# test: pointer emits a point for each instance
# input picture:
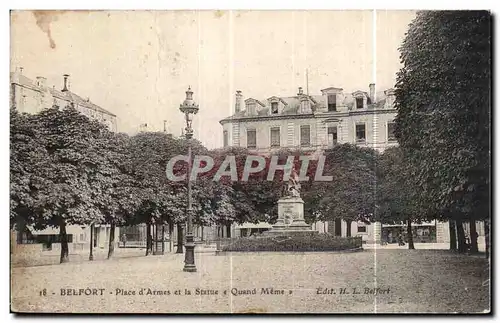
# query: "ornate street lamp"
(189, 108)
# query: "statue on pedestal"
(293, 187)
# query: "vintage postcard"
(246, 161)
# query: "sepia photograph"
(250, 161)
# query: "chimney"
(300, 91)
(66, 84)
(41, 81)
(372, 92)
(237, 103)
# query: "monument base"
(291, 218)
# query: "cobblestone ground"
(408, 281)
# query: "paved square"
(407, 281)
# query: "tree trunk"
(163, 239)
(179, 239)
(453, 235)
(111, 246)
(462, 248)
(409, 234)
(228, 230)
(170, 235)
(487, 238)
(473, 237)
(148, 238)
(91, 245)
(64, 243)
(348, 231)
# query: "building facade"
(312, 121)
(32, 96)
(318, 122)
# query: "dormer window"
(251, 109)
(275, 102)
(359, 103)
(334, 98)
(332, 102)
(274, 107)
(360, 99)
(305, 106)
(390, 97)
(251, 106)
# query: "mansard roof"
(277, 98)
(66, 95)
(255, 100)
(358, 92)
(292, 103)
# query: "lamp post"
(189, 108)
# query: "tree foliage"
(443, 102)
(351, 193)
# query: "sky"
(138, 64)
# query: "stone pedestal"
(290, 217)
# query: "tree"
(29, 166)
(252, 200)
(63, 188)
(396, 196)
(149, 153)
(351, 194)
(443, 122)
(161, 200)
(118, 201)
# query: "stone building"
(32, 96)
(317, 122)
(312, 121)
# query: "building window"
(274, 107)
(251, 109)
(305, 136)
(225, 138)
(332, 136)
(359, 103)
(251, 138)
(305, 106)
(390, 131)
(332, 102)
(360, 133)
(275, 137)
(361, 228)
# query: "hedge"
(317, 242)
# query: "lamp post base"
(189, 268)
(189, 265)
